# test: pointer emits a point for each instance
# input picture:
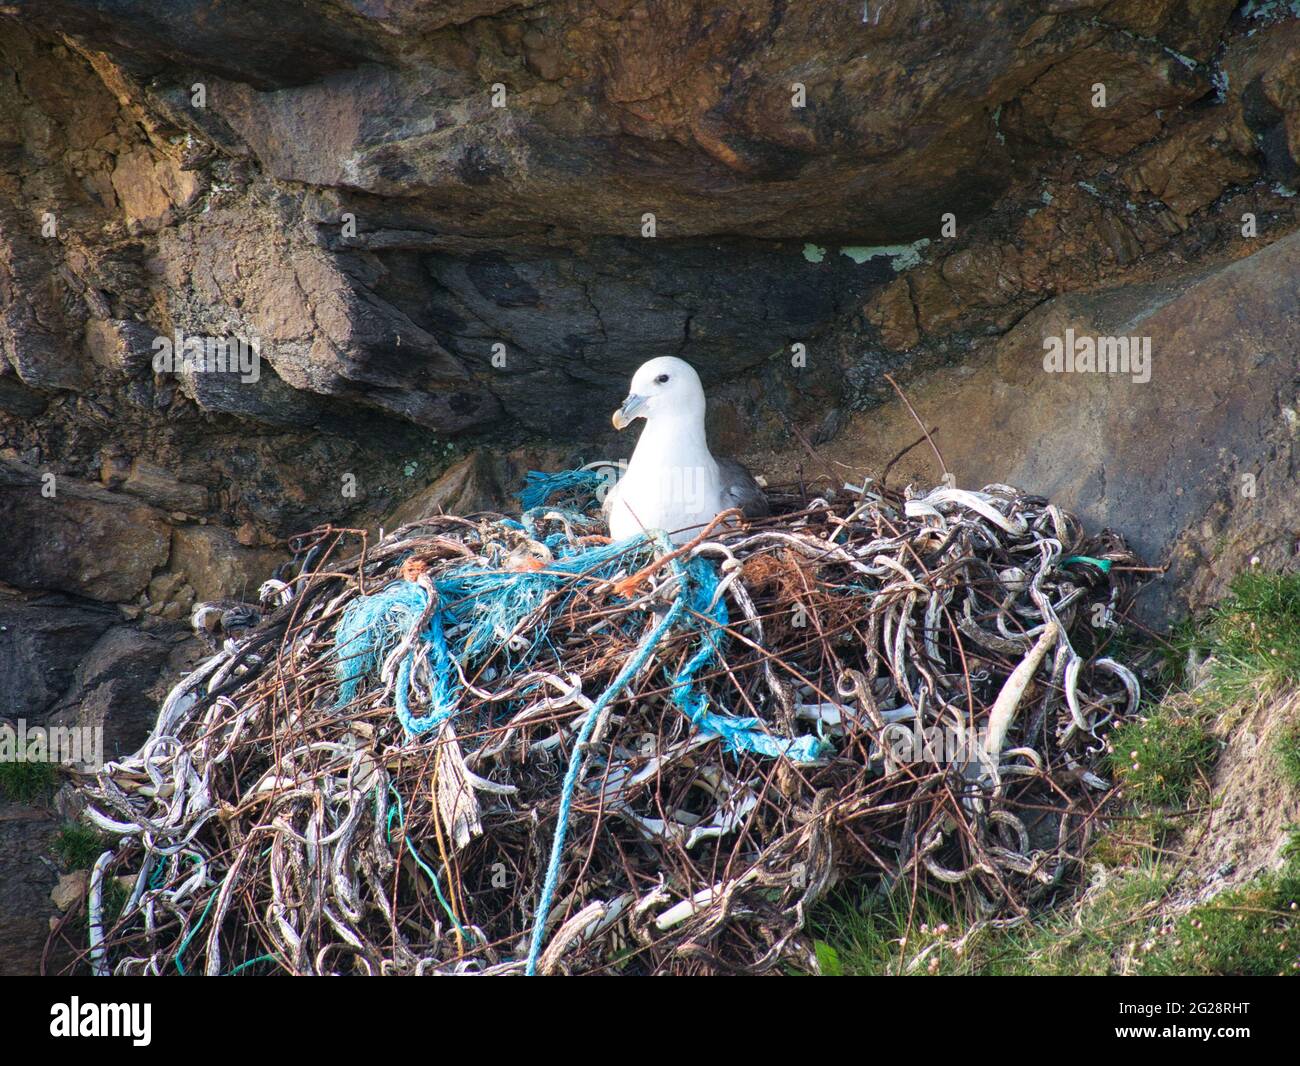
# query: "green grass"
(1158, 759)
(1248, 932)
(1253, 635)
(27, 782)
(871, 935)
(1253, 640)
(1116, 929)
(78, 846)
(876, 938)
(1093, 940)
(1136, 836)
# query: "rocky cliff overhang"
(443, 211)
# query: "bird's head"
(663, 386)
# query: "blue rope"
(489, 602)
(698, 584)
(571, 775)
(540, 487)
(482, 605)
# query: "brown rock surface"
(216, 566)
(110, 690)
(1196, 466)
(470, 485)
(83, 539)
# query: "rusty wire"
(265, 828)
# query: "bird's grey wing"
(739, 489)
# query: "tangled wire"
(492, 745)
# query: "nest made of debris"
(496, 744)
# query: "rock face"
(42, 640)
(26, 834)
(110, 689)
(1192, 448)
(467, 213)
(78, 538)
(350, 262)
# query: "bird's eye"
(662, 379)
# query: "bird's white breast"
(676, 493)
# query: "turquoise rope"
(191, 934)
(699, 583)
(1103, 565)
(251, 962)
(697, 590)
(437, 884)
(540, 487)
(479, 604)
(437, 887)
(571, 776)
(484, 602)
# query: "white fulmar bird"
(673, 482)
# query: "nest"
(489, 745)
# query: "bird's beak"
(631, 409)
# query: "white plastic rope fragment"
(1013, 691)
